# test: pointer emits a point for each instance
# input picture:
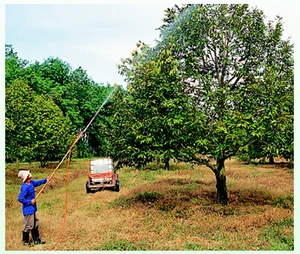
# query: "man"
(29, 208)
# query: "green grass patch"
(193, 246)
(148, 176)
(286, 202)
(94, 208)
(255, 173)
(287, 222)
(12, 188)
(46, 205)
(277, 235)
(131, 177)
(121, 202)
(122, 245)
(148, 196)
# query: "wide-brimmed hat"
(23, 174)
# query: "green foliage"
(219, 83)
(230, 61)
(35, 127)
(53, 87)
(155, 116)
(14, 66)
(274, 118)
(78, 96)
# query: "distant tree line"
(218, 83)
(47, 105)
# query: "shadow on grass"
(182, 197)
(282, 165)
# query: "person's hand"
(32, 201)
(48, 178)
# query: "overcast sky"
(94, 37)
(97, 36)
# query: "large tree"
(225, 55)
(35, 128)
(154, 116)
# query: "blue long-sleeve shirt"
(27, 193)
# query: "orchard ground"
(159, 209)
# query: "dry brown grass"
(161, 210)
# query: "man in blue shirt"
(29, 208)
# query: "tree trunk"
(220, 173)
(271, 160)
(167, 163)
(43, 163)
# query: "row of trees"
(219, 83)
(47, 105)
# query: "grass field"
(158, 209)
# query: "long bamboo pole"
(75, 141)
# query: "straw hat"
(23, 174)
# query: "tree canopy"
(35, 127)
(233, 68)
(154, 117)
(65, 97)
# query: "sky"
(94, 37)
(97, 36)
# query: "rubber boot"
(25, 239)
(36, 236)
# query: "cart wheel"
(87, 188)
(117, 187)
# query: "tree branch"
(199, 160)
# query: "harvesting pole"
(75, 141)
